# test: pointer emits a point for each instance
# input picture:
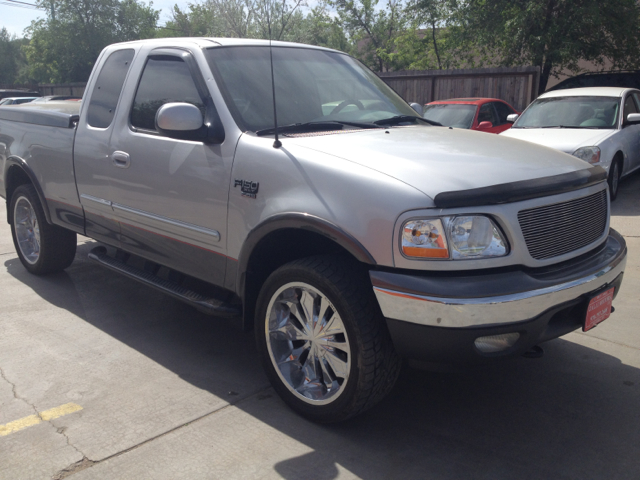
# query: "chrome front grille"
(553, 230)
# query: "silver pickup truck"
(355, 235)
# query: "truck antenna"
(277, 143)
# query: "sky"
(15, 19)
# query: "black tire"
(57, 246)
(614, 183)
(374, 365)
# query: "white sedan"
(600, 125)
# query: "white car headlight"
(588, 154)
(456, 238)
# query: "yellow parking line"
(45, 416)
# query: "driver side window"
(629, 107)
(165, 79)
(487, 114)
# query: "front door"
(170, 196)
(630, 135)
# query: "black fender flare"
(297, 220)
(17, 162)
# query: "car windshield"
(451, 115)
(311, 86)
(571, 112)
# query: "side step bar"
(210, 306)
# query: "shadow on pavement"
(572, 414)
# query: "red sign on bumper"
(599, 310)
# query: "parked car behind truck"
(600, 125)
(483, 114)
(361, 235)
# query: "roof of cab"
(207, 42)
(588, 92)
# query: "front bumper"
(437, 317)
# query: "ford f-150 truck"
(352, 235)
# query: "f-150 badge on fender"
(249, 189)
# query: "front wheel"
(614, 178)
(323, 340)
(42, 247)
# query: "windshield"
(451, 115)
(571, 112)
(311, 86)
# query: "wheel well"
(15, 177)
(273, 251)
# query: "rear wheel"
(42, 247)
(614, 178)
(323, 340)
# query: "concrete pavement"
(166, 392)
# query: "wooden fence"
(517, 86)
(73, 89)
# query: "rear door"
(92, 154)
(170, 196)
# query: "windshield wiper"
(395, 120)
(316, 126)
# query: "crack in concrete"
(87, 463)
(60, 431)
(73, 468)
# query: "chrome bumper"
(451, 311)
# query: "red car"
(483, 114)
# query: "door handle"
(121, 159)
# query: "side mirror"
(417, 107)
(633, 118)
(179, 117)
(485, 126)
(512, 118)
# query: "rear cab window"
(108, 87)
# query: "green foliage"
(372, 30)
(12, 60)
(64, 46)
(552, 34)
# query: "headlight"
(588, 154)
(475, 236)
(471, 236)
(424, 239)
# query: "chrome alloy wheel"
(27, 230)
(308, 343)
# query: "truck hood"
(437, 159)
(564, 139)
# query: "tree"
(551, 34)
(64, 46)
(373, 30)
(275, 19)
(11, 58)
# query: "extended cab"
(354, 235)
